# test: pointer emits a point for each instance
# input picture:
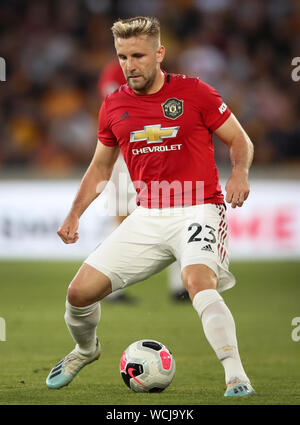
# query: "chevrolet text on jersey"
(150, 149)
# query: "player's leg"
(205, 274)
(82, 317)
(88, 286)
(83, 309)
(217, 320)
(126, 257)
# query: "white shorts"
(150, 239)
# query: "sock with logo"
(82, 324)
(219, 329)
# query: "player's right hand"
(68, 230)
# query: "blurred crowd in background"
(56, 50)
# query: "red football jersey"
(166, 140)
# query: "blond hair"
(133, 27)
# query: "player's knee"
(83, 294)
(76, 296)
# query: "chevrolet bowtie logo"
(153, 133)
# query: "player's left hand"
(237, 188)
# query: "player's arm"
(92, 184)
(241, 155)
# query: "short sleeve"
(105, 134)
(213, 109)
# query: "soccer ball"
(147, 366)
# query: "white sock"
(219, 328)
(82, 324)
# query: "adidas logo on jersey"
(207, 248)
(125, 115)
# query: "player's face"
(140, 58)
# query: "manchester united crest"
(172, 108)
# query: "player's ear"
(160, 54)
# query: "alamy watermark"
(2, 329)
(2, 69)
(296, 331)
(123, 195)
(296, 71)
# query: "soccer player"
(111, 78)
(163, 124)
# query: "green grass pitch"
(264, 302)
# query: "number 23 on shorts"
(204, 233)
